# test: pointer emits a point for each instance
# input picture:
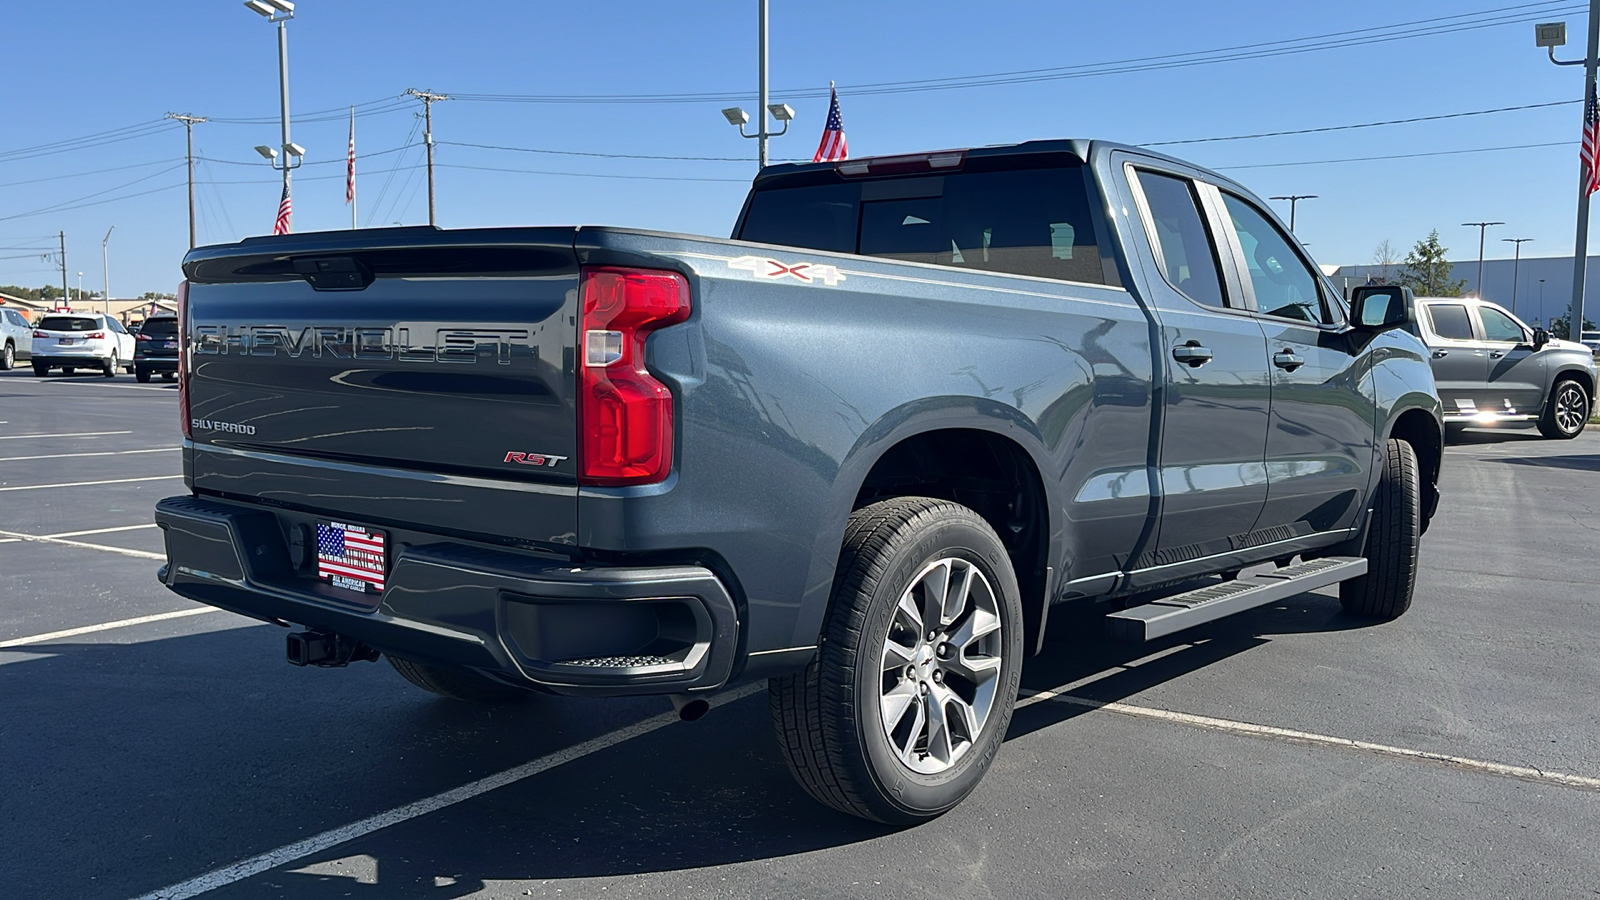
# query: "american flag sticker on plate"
(350, 557)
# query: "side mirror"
(1380, 307)
(1540, 338)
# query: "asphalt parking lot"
(1290, 751)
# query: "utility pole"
(1515, 267)
(66, 298)
(1552, 35)
(1294, 200)
(1483, 228)
(105, 265)
(428, 98)
(188, 127)
(761, 102)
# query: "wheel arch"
(1575, 373)
(1422, 429)
(972, 451)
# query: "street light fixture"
(1515, 267)
(738, 118)
(279, 12)
(1294, 201)
(780, 111)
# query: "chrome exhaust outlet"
(689, 708)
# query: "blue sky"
(89, 67)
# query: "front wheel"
(1394, 537)
(1566, 412)
(908, 699)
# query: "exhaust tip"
(690, 709)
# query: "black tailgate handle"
(334, 273)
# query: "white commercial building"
(1543, 288)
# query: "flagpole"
(352, 168)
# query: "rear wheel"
(110, 370)
(903, 709)
(142, 374)
(68, 370)
(1393, 539)
(456, 683)
(8, 357)
(1566, 412)
(169, 376)
(40, 369)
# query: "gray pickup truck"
(862, 450)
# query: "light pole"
(1552, 35)
(80, 288)
(1541, 298)
(1294, 200)
(1515, 267)
(1483, 228)
(780, 111)
(105, 266)
(279, 12)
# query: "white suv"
(70, 341)
(16, 338)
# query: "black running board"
(1160, 618)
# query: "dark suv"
(155, 348)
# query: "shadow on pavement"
(1455, 438)
(135, 766)
(1589, 463)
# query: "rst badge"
(533, 459)
(808, 272)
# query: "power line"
(737, 159)
(595, 174)
(69, 204)
(1487, 18)
(1350, 159)
(1327, 128)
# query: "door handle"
(1440, 354)
(1191, 354)
(1287, 360)
(1496, 354)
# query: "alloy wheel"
(1572, 408)
(940, 665)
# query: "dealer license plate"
(352, 557)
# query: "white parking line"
(23, 437)
(95, 453)
(1524, 773)
(106, 626)
(40, 487)
(171, 388)
(67, 534)
(11, 536)
(317, 843)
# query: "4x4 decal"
(766, 267)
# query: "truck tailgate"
(435, 375)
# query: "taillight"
(901, 165)
(183, 360)
(97, 336)
(40, 334)
(141, 336)
(625, 415)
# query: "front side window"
(1449, 321)
(1283, 284)
(1188, 258)
(1497, 326)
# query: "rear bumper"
(156, 363)
(69, 358)
(526, 619)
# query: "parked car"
(155, 348)
(1493, 369)
(860, 450)
(1591, 339)
(72, 341)
(16, 338)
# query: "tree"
(156, 295)
(1558, 327)
(1385, 258)
(1427, 272)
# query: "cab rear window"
(1022, 221)
(68, 323)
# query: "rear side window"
(1021, 221)
(1449, 320)
(1187, 255)
(68, 323)
(160, 327)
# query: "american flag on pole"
(1591, 143)
(350, 162)
(350, 555)
(833, 146)
(285, 209)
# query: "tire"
(8, 357)
(169, 376)
(68, 370)
(111, 366)
(40, 369)
(1393, 539)
(142, 375)
(457, 684)
(1566, 412)
(830, 719)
